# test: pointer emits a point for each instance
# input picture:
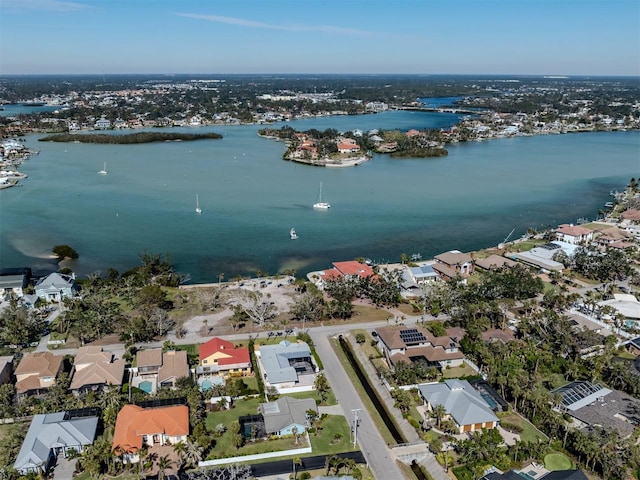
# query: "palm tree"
(164, 463)
(296, 462)
(180, 449)
(192, 452)
(438, 412)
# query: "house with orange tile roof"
(95, 369)
(347, 145)
(222, 358)
(157, 369)
(137, 426)
(37, 372)
(573, 234)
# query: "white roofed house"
(287, 366)
(574, 234)
(55, 287)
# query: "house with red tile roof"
(137, 426)
(345, 270)
(220, 357)
(347, 145)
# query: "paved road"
(374, 448)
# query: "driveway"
(64, 469)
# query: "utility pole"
(356, 421)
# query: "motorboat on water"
(198, 209)
(292, 234)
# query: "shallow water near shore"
(250, 198)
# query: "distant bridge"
(445, 110)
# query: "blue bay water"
(250, 198)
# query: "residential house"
(137, 426)
(573, 234)
(37, 372)
(287, 366)
(627, 305)
(452, 264)
(102, 124)
(55, 287)
(541, 257)
(592, 405)
(535, 472)
(285, 414)
(157, 369)
(220, 357)
(94, 369)
(6, 369)
(494, 262)
(344, 270)
(55, 434)
(462, 403)
(633, 346)
(347, 145)
(417, 345)
(13, 284)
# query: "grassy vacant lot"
(529, 432)
(557, 461)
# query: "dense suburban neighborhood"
(520, 361)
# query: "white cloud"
(48, 5)
(269, 26)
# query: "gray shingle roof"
(285, 412)
(52, 430)
(460, 400)
(275, 360)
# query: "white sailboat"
(320, 205)
(198, 209)
(104, 170)
(293, 234)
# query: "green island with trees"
(130, 138)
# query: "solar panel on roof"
(412, 335)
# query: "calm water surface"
(250, 198)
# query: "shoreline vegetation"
(131, 138)
(329, 148)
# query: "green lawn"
(557, 461)
(331, 398)
(529, 432)
(382, 428)
(325, 442)
(463, 370)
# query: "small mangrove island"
(128, 139)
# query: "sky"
(526, 37)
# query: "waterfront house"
(573, 234)
(286, 413)
(287, 366)
(102, 124)
(418, 345)
(137, 426)
(37, 372)
(94, 369)
(13, 285)
(627, 305)
(452, 264)
(55, 287)
(222, 358)
(157, 369)
(340, 270)
(55, 434)
(462, 403)
(494, 262)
